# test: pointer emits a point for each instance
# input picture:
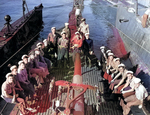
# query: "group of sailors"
(121, 82)
(34, 68)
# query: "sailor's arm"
(126, 84)
(117, 76)
(122, 80)
(144, 20)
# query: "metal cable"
(19, 50)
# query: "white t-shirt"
(141, 92)
(147, 11)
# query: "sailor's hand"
(112, 81)
(16, 95)
(121, 90)
(115, 87)
(91, 52)
(55, 55)
(75, 45)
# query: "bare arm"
(144, 20)
(117, 76)
(122, 80)
(7, 95)
(127, 83)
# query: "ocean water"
(56, 12)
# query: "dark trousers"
(21, 94)
(28, 89)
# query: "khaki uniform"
(67, 31)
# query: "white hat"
(117, 59)
(13, 67)
(129, 72)
(137, 80)
(8, 74)
(66, 24)
(20, 62)
(77, 33)
(108, 51)
(87, 34)
(24, 56)
(110, 54)
(83, 19)
(40, 43)
(102, 47)
(63, 32)
(45, 40)
(53, 28)
(121, 65)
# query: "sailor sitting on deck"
(128, 87)
(40, 46)
(22, 77)
(40, 60)
(9, 94)
(32, 77)
(19, 90)
(109, 64)
(145, 19)
(62, 46)
(120, 81)
(53, 39)
(34, 69)
(103, 59)
(49, 52)
(77, 43)
(136, 99)
(83, 27)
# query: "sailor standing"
(87, 48)
(67, 30)
(53, 39)
(83, 27)
(62, 46)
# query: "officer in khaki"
(67, 30)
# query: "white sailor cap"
(129, 72)
(121, 65)
(20, 62)
(13, 67)
(110, 54)
(87, 34)
(108, 51)
(116, 59)
(137, 80)
(66, 24)
(40, 43)
(53, 28)
(8, 74)
(76, 32)
(45, 40)
(63, 32)
(102, 47)
(83, 19)
(24, 56)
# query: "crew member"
(62, 46)
(83, 27)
